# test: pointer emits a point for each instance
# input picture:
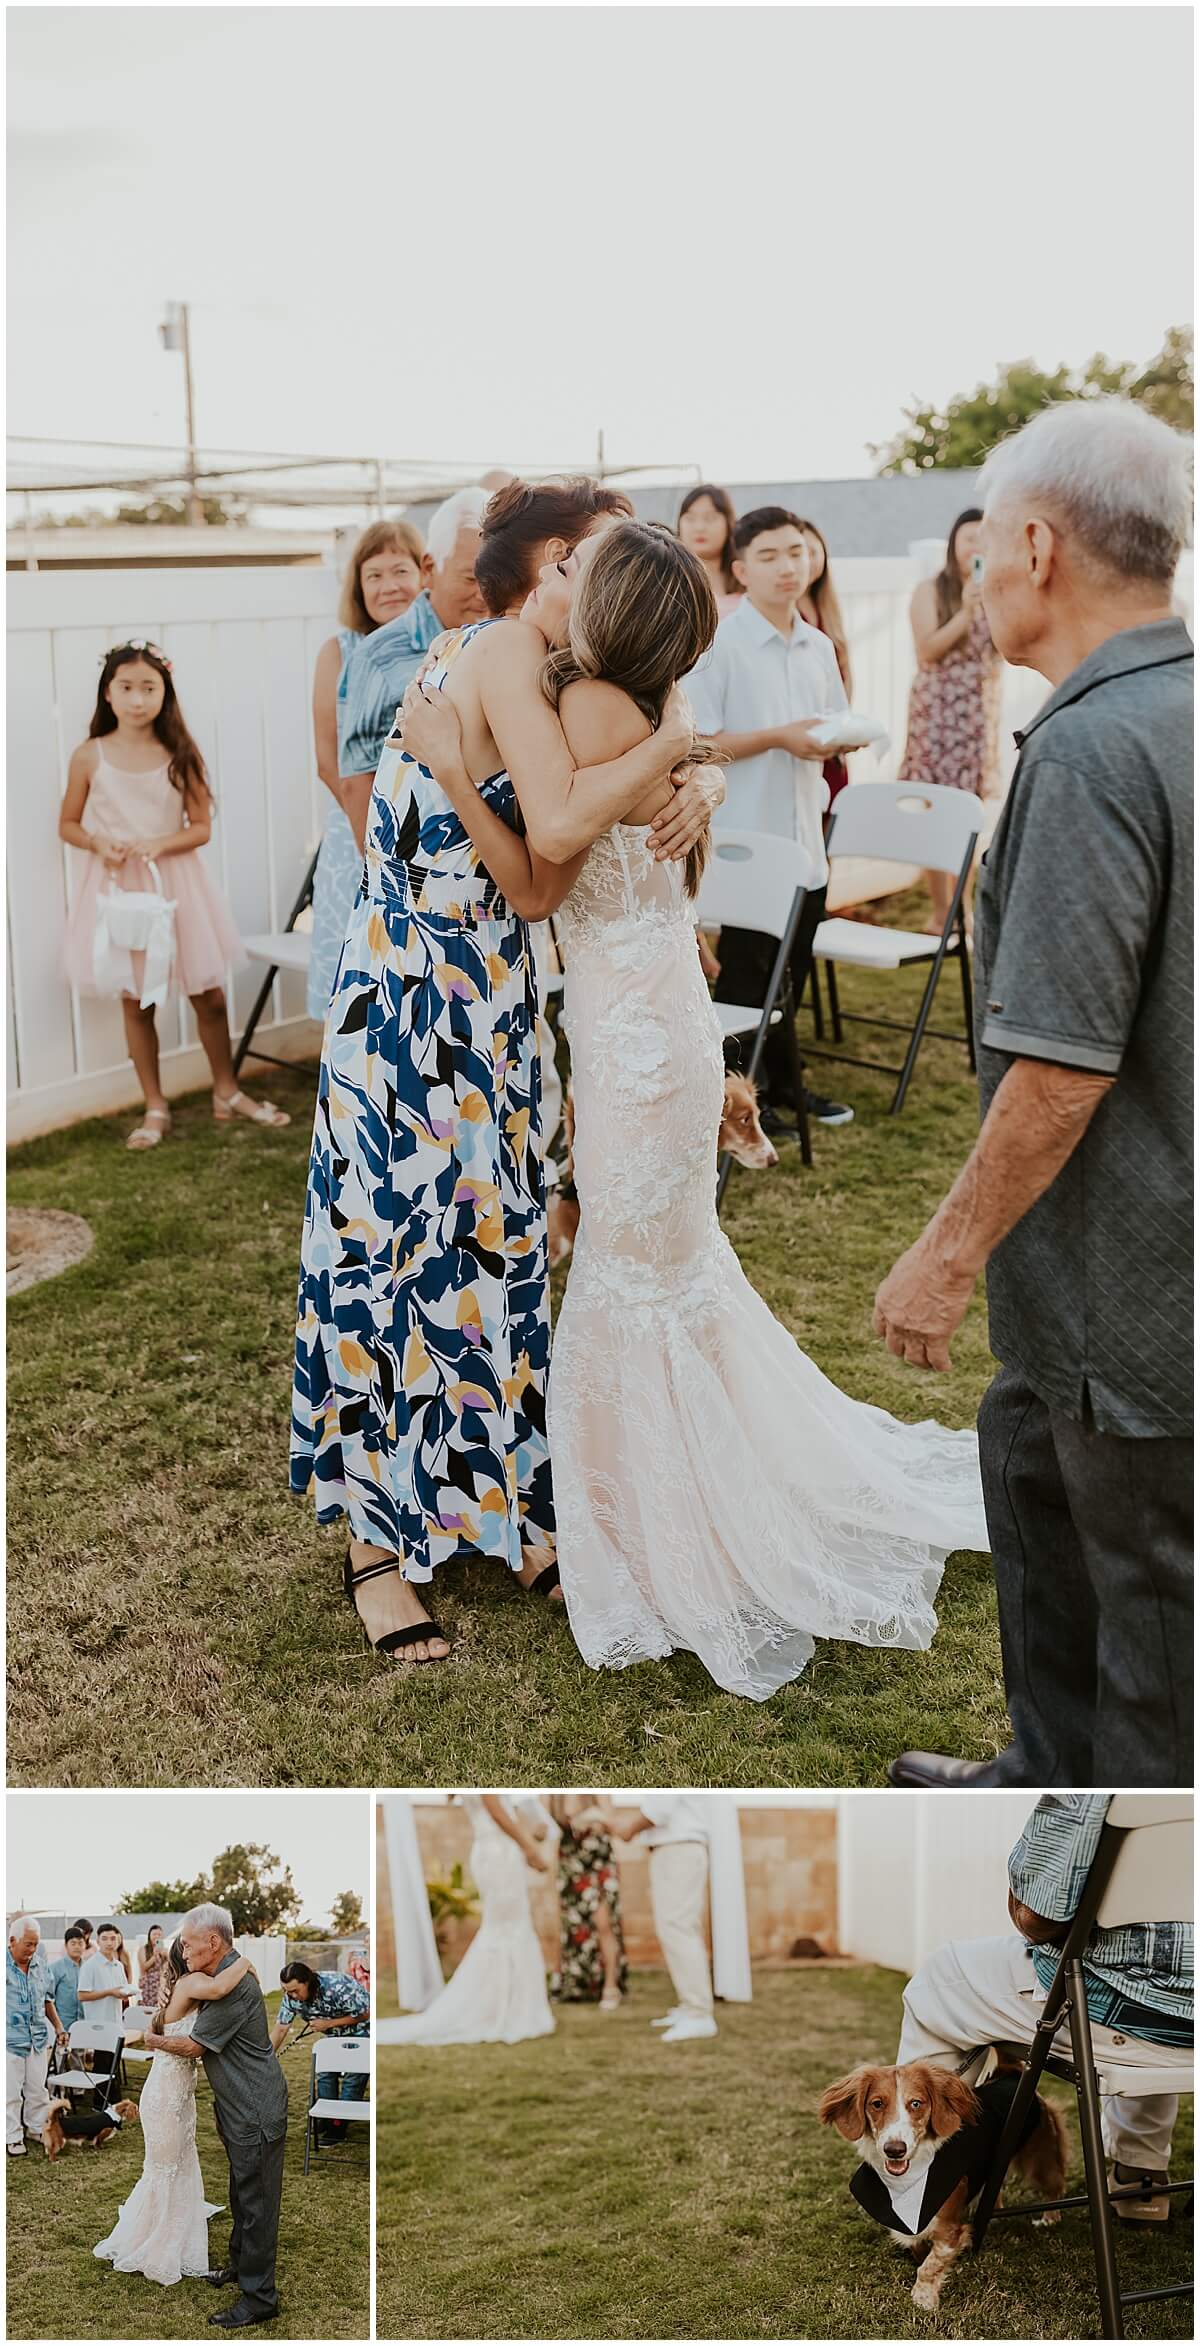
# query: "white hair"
(22, 1923)
(210, 1918)
(1117, 476)
(464, 510)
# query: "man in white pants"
(974, 1993)
(30, 2021)
(675, 1830)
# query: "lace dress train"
(162, 2229)
(716, 1493)
(498, 1993)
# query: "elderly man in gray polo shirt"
(1078, 1193)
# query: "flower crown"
(137, 643)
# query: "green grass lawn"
(175, 1615)
(597, 2184)
(57, 2212)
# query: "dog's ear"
(952, 2102)
(128, 2111)
(844, 2105)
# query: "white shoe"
(668, 2019)
(688, 2024)
(16, 2150)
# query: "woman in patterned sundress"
(591, 1967)
(383, 577)
(954, 706)
(423, 1333)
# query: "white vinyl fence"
(243, 643)
(914, 1871)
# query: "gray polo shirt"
(1083, 955)
(241, 2066)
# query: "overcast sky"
(85, 1851)
(734, 237)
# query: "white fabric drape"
(418, 1971)
(727, 1892)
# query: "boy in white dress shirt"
(675, 1829)
(765, 680)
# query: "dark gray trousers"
(255, 2192)
(1092, 1551)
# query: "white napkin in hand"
(845, 730)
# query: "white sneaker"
(688, 2024)
(668, 2019)
(16, 2150)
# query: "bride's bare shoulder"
(600, 721)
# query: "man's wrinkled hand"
(921, 1305)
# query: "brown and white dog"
(927, 2140)
(740, 1132)
(70, 2129)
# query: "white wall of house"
(243, 644)
(916, 1870)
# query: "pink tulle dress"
(147, 806)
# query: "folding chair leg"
(964, 963)
(303, 900)
(724, 1170)
(797, 1073)
(835, 1007)
(1099, 2209)
(1039, 2054)
(817, 1011)
(308, 2127)
(953, 919)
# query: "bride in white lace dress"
(162, 2228)
(498, 1993)
(715, 1493)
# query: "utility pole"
(175, 334)
(600, 454)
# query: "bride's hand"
(534, 1857)
(686, 816)
(431, 732)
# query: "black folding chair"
(275, 950)
(1142, 1872)
(757, 882)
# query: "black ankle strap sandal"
(395, 1640)
(544, 1582)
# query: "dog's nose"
(894, 2149)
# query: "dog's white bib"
(906, 2193)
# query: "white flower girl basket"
(135, 920)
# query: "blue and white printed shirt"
(340, 1997)
(376, 676)
(1146, 1965)
(26, 2028)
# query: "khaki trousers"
(678, 1895)
(986, 1991)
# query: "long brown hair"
(382, 537)
(948, 585)
(724, 505)
(174, 1968)
(641, 617)
(521, 517)
(828, 606)
(187, 768)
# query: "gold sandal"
(154, 1127)
(236, 1104)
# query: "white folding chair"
(1141, 1873)
(91, 2036)
(756, 881)
(905, 823)
(338, 2056)
(285, 948)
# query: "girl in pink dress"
(138, 804)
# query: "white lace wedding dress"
(714, 1492)
(498, 1993)
(162, 2229)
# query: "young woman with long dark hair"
(954, 706)
(706, 525)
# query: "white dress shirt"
(97, 1972)
(675, 1816)
(752, 678)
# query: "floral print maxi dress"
(954, 717)
(423, 1335)
(587, 1873)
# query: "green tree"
(162, 1898)
(346, 1914)
(259, 1892)
(960, 434)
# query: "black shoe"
(819, 1110)
(241, 2317)
(932, 1767)
(221, 2276)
